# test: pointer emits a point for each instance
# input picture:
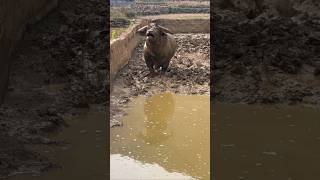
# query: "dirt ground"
(267, 59)
(189, 73)
(59, 67)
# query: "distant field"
(122, 17)
(146, 7)
(188, 3)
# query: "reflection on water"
(167, 132)
(266, 142)
(158, 111)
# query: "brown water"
(85, 158)
(266, 142)
(166, 136)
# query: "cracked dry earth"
(188, 73)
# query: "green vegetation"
(122, 13)
(151, 1)
(188, 10)
(116, 32)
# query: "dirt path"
(189, 74)
(60, 67)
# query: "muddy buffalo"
(159, 47)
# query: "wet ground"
(83, 155)
(164, 136)
(266, 142)
(267, 59)
(59, 67)
(270, 62)
(189, 73)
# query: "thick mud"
(267, 59)
(59, 67)
(189, 73)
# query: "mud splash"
(165, 130)
(266, 142)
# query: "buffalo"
(159, 47)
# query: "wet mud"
(189, 73)
(59, 67)
(267, 59)
(271, 62)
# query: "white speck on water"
(270, 153)
(258, 164)
(227, 145)
(83, 131)
(291, 140)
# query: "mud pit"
(189, 73)
(266, 59)
(59, 67)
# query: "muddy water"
(84, 157)
(165, 136)
(266, 142)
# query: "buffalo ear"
(164, 30)
(142, 31)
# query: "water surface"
(85, 157)
(166, 134)
(266, 142)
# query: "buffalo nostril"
(149, 34)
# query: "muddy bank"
(59, 67)
(267, 59)
(189, 73)
(285, 8)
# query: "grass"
(116, 32)
(151, 1)
(117, 13)
(188, 10)
(122, 13)
(190, 4)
